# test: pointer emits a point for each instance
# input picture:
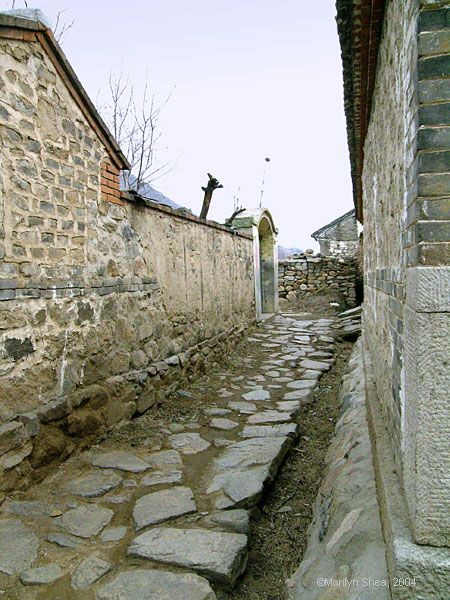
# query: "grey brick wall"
(406, 191)
(427, 234)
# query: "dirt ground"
(317, 303)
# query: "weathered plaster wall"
(406, 191)
(103, 306)
(304, 276)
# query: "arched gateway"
(265, 258)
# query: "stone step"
(243, 469)
(161, 506)
(220, 556)
(124, 461)
(148, 584)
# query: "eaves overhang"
(359, 24)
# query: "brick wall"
(406, 189)
(110, 183)
(387, 185)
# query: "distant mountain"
(149, 192)
(285, 252)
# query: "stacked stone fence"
(303, 276)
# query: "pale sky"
(248, 79)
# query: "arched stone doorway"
(260, 224)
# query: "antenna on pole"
(266, 160)
(236, 198)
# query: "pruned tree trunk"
(213, 184)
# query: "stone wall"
(105, 303)
(389, 152)
(300, 277)
(406, 191)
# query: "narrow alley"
(176, 495)
(198, 402)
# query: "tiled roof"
(348, 215)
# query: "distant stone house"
(396, 65)
(339, 237)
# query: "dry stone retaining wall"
(301, 277)
(104, 303)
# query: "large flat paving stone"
(63, 540)
(223, 424)
(237, 521)
(216, 411)
(240, 488)
(246, 408)
(94, 484)
(113, 534)
(41, 575)
(301, 384)
(256, 395)
(90, 570)
(85, 521)
(269, 416)
(303, 395)
(159, 477)
(311, 374)
(243, 469)
(273, 374)
(188, 443)
(166, 459)
(284, 429)
(147, 584)
(315, 365)
(124, 461)
(219, 556)
(29, 508)
(291, 406)
(321, 354)
(158, 507)
(18, 546)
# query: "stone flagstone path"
(169, 522)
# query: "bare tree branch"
(135, 125)
(61, 27)
(237, 212)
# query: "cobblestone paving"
(168, 522)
